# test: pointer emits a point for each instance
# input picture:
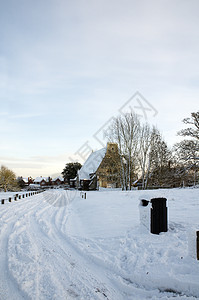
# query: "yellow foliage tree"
(7, 178)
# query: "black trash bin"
(159, 215)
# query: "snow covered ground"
(58, 245)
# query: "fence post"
(15, 198)
(85, 196)
(19, 196)
(9, 199)
(2, 201)
(197, 244)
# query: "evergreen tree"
(70, 171)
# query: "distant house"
(26, 181)
(30, 180)
(43, 181)
(58, 181)
(101, 169)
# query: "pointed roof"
(92, 164)
(25, 180)
(39, 179)
(58, 178)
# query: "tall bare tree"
(145, 143)
(125, 131)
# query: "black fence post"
(2, 201)
(197, 244)
(19, 196)
(10, 199)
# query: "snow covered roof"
(59, 177)
(91, 164)
(39, 179)
(25, 180)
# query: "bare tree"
(125, 131)
(187, 156)
(145, 144)
(187, 151)
(192, 131)
(142, 149)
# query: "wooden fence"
(16, 197)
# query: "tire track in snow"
(91, 266)
(33, 229)
(43, 258)
(83, 261)
(9, 215)
(82, 271)
(8, 285)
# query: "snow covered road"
(37, 259)
(56, 245)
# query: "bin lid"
(144, 202)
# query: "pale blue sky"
(66, 67)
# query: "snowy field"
(57, 245)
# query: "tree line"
(146, 158)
